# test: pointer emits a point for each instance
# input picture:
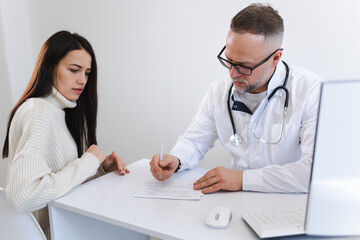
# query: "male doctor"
(265, 114)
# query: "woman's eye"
(74, 70)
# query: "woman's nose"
(82, 78)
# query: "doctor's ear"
(276, 58)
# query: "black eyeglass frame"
(251, 69)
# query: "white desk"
(106, 209)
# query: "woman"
(51, 126)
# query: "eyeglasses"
(240, 68)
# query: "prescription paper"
(178, 187)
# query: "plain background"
(156, 58)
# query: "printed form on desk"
(179, 186)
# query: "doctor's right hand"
(164, 169)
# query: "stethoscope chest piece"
(235, 139)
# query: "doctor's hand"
(164, 169)
(220, 178)
(114, 162)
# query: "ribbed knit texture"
(43, 161)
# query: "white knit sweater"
(43, 161)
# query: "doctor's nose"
(234, 73)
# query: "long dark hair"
(81, 120)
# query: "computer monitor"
(333, 207)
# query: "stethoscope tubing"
(286, 103)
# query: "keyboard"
(277, 223)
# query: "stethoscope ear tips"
(235, 139)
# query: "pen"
(162, 152)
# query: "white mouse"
(218, 217)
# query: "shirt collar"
(59, 100)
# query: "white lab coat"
(282, 167)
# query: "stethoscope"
(235, 139)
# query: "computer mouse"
(218, 217)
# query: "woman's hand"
(114, 162)
(97, 152)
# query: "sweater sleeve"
(32, 182)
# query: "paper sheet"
(178, 187)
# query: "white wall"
(16, 62)
(156, 58)
(5, 101)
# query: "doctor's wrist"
(179, 166)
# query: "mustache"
(238, 79)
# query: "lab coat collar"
(278, 78)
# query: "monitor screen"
(334, 194)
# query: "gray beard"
(249, 87)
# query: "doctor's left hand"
(220, 178)
(114, 162)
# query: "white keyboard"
(276, 224)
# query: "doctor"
(265, 114)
